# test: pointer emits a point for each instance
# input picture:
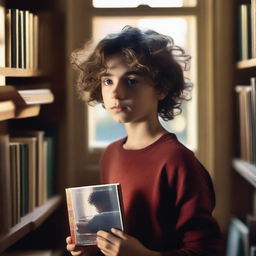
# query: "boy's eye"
(131, 81)
(107, 82)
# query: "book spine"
(253, 27)
(253, 112)
(8, 39)
(2, 36)
(31, 40)
(17, 29)
(5, 181)
(21, 33)
(26, 28)
(24, 178)
(13, 38)
(71, 216)
(13, 168)
(51, 165)
(36, 40)
(120, 200)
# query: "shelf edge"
(29, 222)
(243, 64)
(19, 72)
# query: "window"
(102, 130)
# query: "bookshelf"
(31, 103)
(244, 161)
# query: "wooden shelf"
(246, 170)
(246, 63)
(29, 223)
(7, 110)
(27, 111)
(19, 72)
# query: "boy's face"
(128, 96)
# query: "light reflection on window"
(136, 3)
(102, 129)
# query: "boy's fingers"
(118, 233)
(76, 253)
(68, 240)
(73, 247)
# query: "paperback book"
(94, 208)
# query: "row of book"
(246, 32)
(27, 174)
(247, 120)
(21, 39)
(242, 237)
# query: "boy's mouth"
(118, 108)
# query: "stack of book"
(247, 116)
(27, 174)
(21, 39)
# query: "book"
(245, 120)
(5, 182)
(13, 38)
(15, 182)
(238, 240)
(24, 180)
(50, 164)
(2, 36)
(21, 38)
(251, 223)
(244, 32)
(94, 208)
(36, 96)
(253, 27)
(26, 97)
(253, 112)
(8, 39)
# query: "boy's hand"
(119, 243)
(73, 249)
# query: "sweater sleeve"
(196, 229)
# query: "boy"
(168, 195)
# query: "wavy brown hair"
(154, 54)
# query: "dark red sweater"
(168, 196)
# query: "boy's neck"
(141, 135)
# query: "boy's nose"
(119, 91)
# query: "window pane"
(102, 130)
(136, 3)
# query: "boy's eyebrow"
(132, 72)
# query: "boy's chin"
(119, 120)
